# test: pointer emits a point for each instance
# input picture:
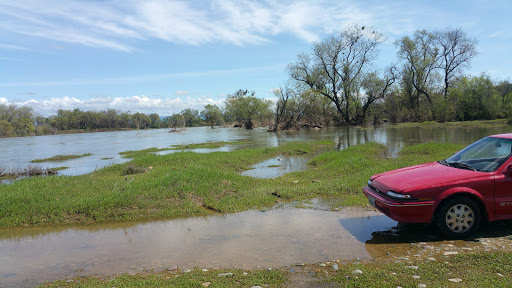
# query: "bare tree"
(292, 105)
(337, 65)
(456, 52)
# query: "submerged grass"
(59, 158)
(208, 145)
(469, 124)
(189, 184)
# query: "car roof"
(507, 135)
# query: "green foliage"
(192, 117)
(6, 129)
(243, 107)
(175, 121)
(16, 121)
(212, 115)
(476, 99)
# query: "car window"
(503, 148)
(485, 155)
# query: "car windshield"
(485, 155)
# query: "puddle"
(250, 239)
(246, 240)
(278, 166)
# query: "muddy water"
(245, 240)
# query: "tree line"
(335, 83)
(242, 109)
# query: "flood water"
(16, 153)
(250, 239)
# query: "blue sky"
(164, 56)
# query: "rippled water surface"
(16, 153)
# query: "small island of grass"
(207, 145)
(60, 158)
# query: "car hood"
(421, 176)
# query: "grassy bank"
(190, 184)
(468, 270)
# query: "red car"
(456, 194)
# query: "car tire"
(458, 217)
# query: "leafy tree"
(420, 56)
(175, 121)
(141, 121)
(504, 89)
(6, 129)
(476, 98)
(155, 120)
(192, 118)
(212, 114)
(244, 107)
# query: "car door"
(503, 191)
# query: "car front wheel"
(458, 217)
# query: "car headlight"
(397, 195)
(369, 182)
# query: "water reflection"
(249, 239)
(278, 166)
(105, 146)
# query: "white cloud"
(116, 24)
(142, 103)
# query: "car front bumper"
(416, 211)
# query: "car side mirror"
(508, 170)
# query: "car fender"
(466, 190)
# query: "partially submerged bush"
(131, 169)
(29, 171)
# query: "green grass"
(195, 278)
(140, 153)
(191, 184)
(475, 270)
(59, 158)
(208, 145)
